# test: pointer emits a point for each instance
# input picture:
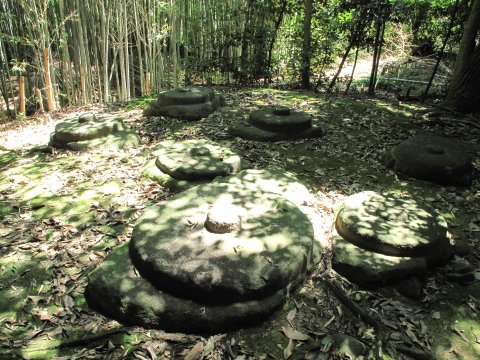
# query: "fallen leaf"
(288, 351)
(195, 353)
(293, 334)
(291, 315)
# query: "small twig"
(11, 282)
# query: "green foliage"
(141, 101)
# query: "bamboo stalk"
(48, 81)
(83, 89)
(22, 94)
(147, 83)
(40, 100)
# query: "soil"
(62, 212)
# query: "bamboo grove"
(74, 52)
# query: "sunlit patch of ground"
(61, 212)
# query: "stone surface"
(276, 123)
(152, 172)
(287, 185)
(367, 267)
(432, 158)
(393, 225)
(89, 131)
(217, 257)
(268, 246)
(191, 103)
(182, 165)
(196, 160)
(116, 290)
(383, 237)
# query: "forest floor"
(62, 212)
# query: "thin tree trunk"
(307, 38)
(442, 51)
(353, 70)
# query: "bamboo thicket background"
(75, 52)
(101, 51)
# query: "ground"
(61, 212)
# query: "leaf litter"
(46, 257)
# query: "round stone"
(116, 289)
(192, 103)
(280, 119)
(223, 217)
(186, 96)
(89, 131)
(196, 160)
(268, 245)
(88, 127)
(393, 225)
(432, 158)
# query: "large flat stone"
(366, 267)
(394, 225)
(271, 243)
(118, 140)
(432, 158)
(193, 103)
(151, 171)
(248, 131)
(87, 127)
(117, 290)
(196, 160)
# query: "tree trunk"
(307, 39)
(463, 94)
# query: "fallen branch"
(85, 340)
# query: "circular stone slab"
(367, 267)
(186, 96)
(196, 160)
(432, 158)
(89, 131)
(87, 127)
(280, 119)
(116, 289)
(262, 248)
(191, 103)
(393, 225)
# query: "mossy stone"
(276, 123)
(116, 289)
(433, 158)
(382, 237)
(196, 160)
(191, 103)
(89, 131)
(173, 244)
(392, 225)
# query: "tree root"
(364, 316)
(378, 326)
(85, 340)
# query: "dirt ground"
(62, 212)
